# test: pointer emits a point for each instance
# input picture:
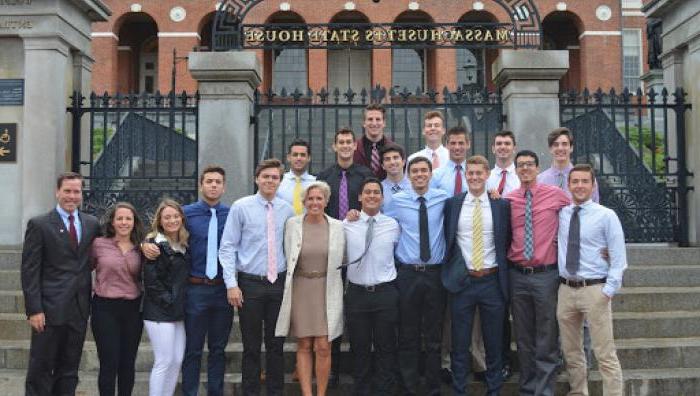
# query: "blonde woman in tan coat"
(312, 306)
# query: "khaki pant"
(575, 305)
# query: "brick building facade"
(134, 49)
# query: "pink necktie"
(436, 161)
(271, 251)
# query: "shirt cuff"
(231, 282)
(608, 290)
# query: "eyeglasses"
(526, 164)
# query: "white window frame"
(641, 55)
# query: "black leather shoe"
(446, 376)
(333, 380)
(506, 372)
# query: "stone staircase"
(657, 332)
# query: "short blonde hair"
(319, 185)
(157, 227)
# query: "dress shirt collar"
(430, 151)
(451, 165)
(306, 176)
(534, 188)
(510, 168)
(365, 217)
(64, 215)
(584, 205)
(202, 204)
(414, 195)
(564, 171)
(262, 201)
(481, 197)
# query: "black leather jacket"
(165, 281)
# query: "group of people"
(416, 260)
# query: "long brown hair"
(137, 232)
(157, 227)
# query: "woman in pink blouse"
(116, 318)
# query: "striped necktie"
(477, 237)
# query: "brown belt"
(483, 272)
(310, 274)
(205, 281)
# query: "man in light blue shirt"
(254, 265)
(295, 181)
(393, 162)
(589, 281)
(419, 256)
(450, 177)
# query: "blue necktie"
(529, 239)
(212, 242)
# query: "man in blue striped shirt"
(589, 281)
(252, 257)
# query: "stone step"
(635, 353)
(635, 276)
(670, 324)
(660, 254)
(662, 276)
(637, 255)
(662, 382)
(656, 299)
(10, 259)
(629, 299)
(625, 324)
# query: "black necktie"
(424, 233)
(573, 247)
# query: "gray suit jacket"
(334, 282)
(56, 278)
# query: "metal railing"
(636, 142)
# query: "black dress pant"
(422, 300)
(258, 316)
(117, 326)
(54, 357)
(373, 316)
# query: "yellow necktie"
(298, 206)
(477, 237)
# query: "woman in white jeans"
(165, 280)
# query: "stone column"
(227, 82)
(44, 144)
(529, 80)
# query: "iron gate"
(141, 148)
(636, 142)
(281, 117)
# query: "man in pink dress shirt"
(534, 279)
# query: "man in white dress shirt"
(589, 282)
(433, 132)
(297, 178)
(503, 177)
(372, 299)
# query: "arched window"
(288, 66)
(561, 30)
(409, 66)
(470, 69)
(138, 53)
(349, 68)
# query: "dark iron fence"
(637, 144)
(281, 117)
(141, 148)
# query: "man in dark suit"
(57, 283)
(475, 273)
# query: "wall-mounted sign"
(523, 30)
(8, 142)
(372, 35)
(11, 92)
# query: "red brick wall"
(596, 64)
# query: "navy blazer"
(454, 270)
